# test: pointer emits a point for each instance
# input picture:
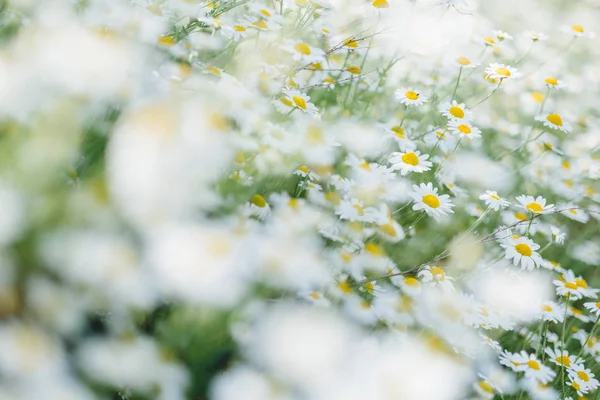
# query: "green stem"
(457, 81)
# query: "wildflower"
(410, 97)
(426, 198)
(578, 31)
(295, 100)
(464, 129)
(553, 83)
(410, 162)
(553, 312)
(258, 207)
(304, 52)
(593, 307)
(455, 111)
(534, 205)
(587, 379)
(554, 121)
(436, 276)
(535, 36)
(466, 63)
(561, 357)
(501, 35)
(501, 71)
(534, 369)
(522, 251)
(494, 201)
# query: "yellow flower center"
(380, 4)
(350, 42)
(597, 304)
(520, 216)
(239, 28)
(554, 119)
(410, 281)
(493, 196)
(398, 131)
(533, 365)
(546, 308)
(523, 249)
(457, 112)
(302, 48)
(466, 129)
(431, 200)
(300, 102)
(412, 95)
(345, 287)
(374, 249)
(486, 387)
(489, 40)
(333, 198)
(505, 72)
(166, 41)
(581, 283)
(259, 201)
(438, 272)
(359, 210)
(577, 28)
(551, 81)
(315, 295)
(534, 207)
(564, 360)
(463, 61)
(260, 24)
(410, 158)
(388, 229)
(575, 385)
(286, 101)
(293, 203)
(353, 69)
(583, 376)
(571, 285)
(537, 97)
(265, 13)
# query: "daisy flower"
(553, 83)
(494, 201)
(579, 371)
(501, 71)
(534, 205)
(553, 312)
(557, 235)
(554, 121)
(436, 276)
(534, 369)
(411, 97)
(561, 357)
(575, 213)
(501, 35)
(578, 31)
(305, 172)
(258, 207)
(522, 251)
(351, 210)
(593, 307)
(455, 111)
(304, 52)
(574, 286)
(426, 198)
(578, 385)
(293, 100)
(410, 162)
(464, 129)
(466, 63)
(535, 36)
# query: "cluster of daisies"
(299, 199)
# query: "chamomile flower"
(258, 207)
(553, 83)
(456, 111)
(561, 357)
(593, 307)
(466, 63)
(426, 198)
(535, 36)
(436, 276)
(534, 205)
(410, 162)
(523, 251)
(464, 129)
(501, 71)
(557, 235)
(295, 100)
(304, 52)
(534, 369)
(579, 31)
(554, 121)
(575, 213)
(494, 201)
(411, 97)
(553, 312)
(501, 35)
(589, 382)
